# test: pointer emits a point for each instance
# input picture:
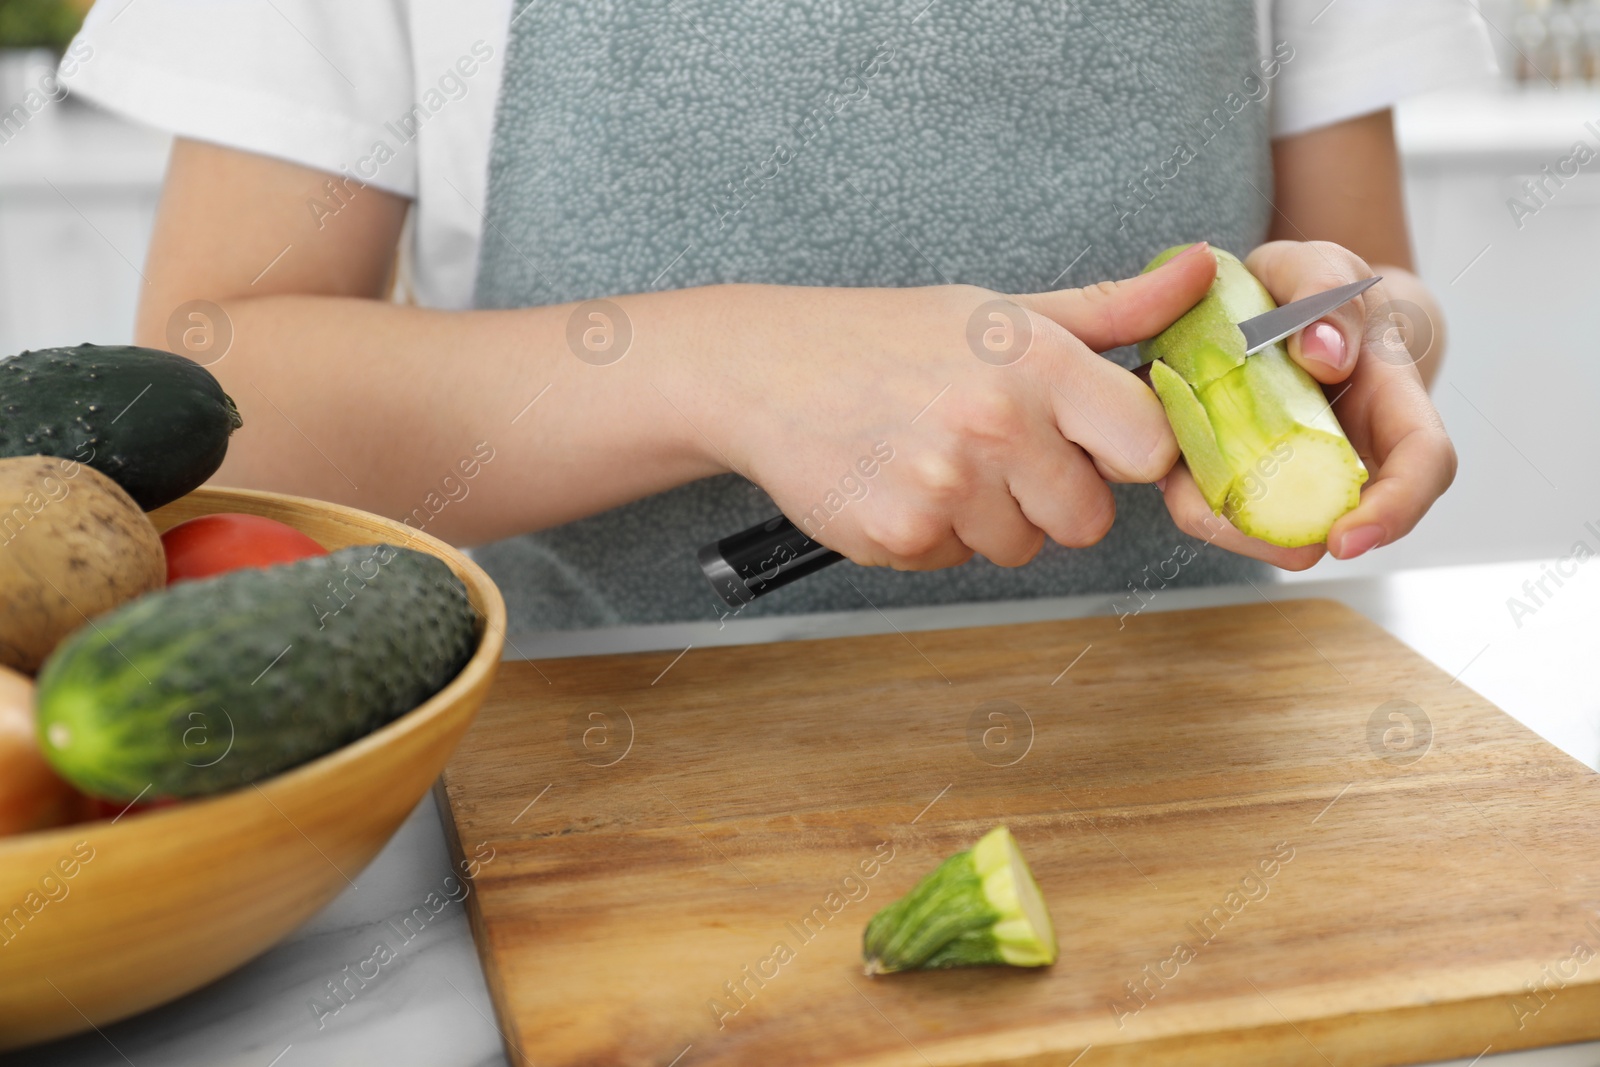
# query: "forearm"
(1343, 183)
(1415, 316)
(868, 414)
(388, 408)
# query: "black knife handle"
(756, 561)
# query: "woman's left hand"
(1377, 395)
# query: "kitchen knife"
(1279, 323)
(769, 556)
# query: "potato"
(72, 545)
(32, 797)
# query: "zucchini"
(1256, 431)
(215, 683)
(155, 423)
(979, 907)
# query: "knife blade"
(770, 555)
(1279, 323)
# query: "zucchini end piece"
(980, 907)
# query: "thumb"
(1110, 314)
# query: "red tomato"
(215, 544)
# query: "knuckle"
(907, 536)
(940, 476)
(1101, 302)
(1099, 524)
(1322, 278)
(1101, 291)
(1018, 553)
(1089, 523)
(1324, 265)
(991, 417)
(1447, 460)
(1161, 456)
(1263, 258)
(1346, 264)
(1102, 297)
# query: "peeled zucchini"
(1256, 431)
(979, 907)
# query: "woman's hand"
(996, 443)
(1000, 422)
(1377, 395)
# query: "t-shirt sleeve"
(310, 81)
(1351, 57)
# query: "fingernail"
(1161, 483)
(1323, 343)
(1361, 539)
(1191, 250)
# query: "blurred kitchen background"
(1518, 390)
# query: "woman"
(674, 264)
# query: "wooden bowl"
(105, 919)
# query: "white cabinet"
(78, 193)
(74, 275)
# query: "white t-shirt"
(400, 94)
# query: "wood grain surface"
(1268, 834)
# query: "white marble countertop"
(432, 1008)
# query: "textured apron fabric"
(1020, 145)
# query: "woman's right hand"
(1001, 422)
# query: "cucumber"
(155, 423)
(212, 684)
(979, 907)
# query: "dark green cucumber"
(155, 423)
(209, 685)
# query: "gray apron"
(1020, 145)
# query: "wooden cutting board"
(1268, 834)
